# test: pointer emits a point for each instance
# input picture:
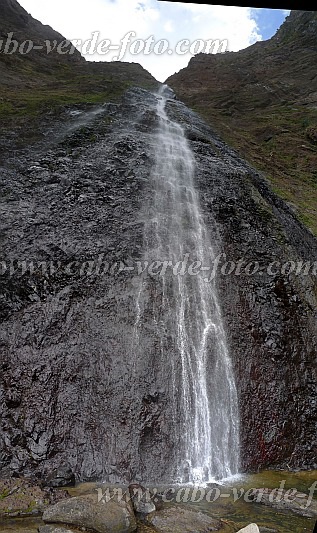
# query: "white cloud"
(77, 19)
(168, 26)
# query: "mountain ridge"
(263, 101)
(17, 25)
(37, 85)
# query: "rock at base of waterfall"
(143, 508)
(286, 500)
(61, 477)
(141, 499)
(21, 497)
(251, 528)
(97, 516)
(181, 520)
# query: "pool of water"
(240, 512)
(220, 502)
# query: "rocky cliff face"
(73, 179)
(262, 100)
(299, 29)
(70, 393)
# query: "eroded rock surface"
(77, 385)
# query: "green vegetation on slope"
(279, 144)
(39, 85)
(263, 102)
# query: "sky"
(182, 29)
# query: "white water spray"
(188, 316)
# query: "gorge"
(119, 374)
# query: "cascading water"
(187, 314)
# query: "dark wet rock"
(22, 497)
(86, 512)
(168, 92)
(61, 477)
(286, 500)
(75, 381)
(181, 520)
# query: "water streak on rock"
(185, 311)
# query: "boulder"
(182, 520)
(142, 499)
(61, 477)
(97, 516)
(142, 507)
(251, 528)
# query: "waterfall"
(186, 312)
